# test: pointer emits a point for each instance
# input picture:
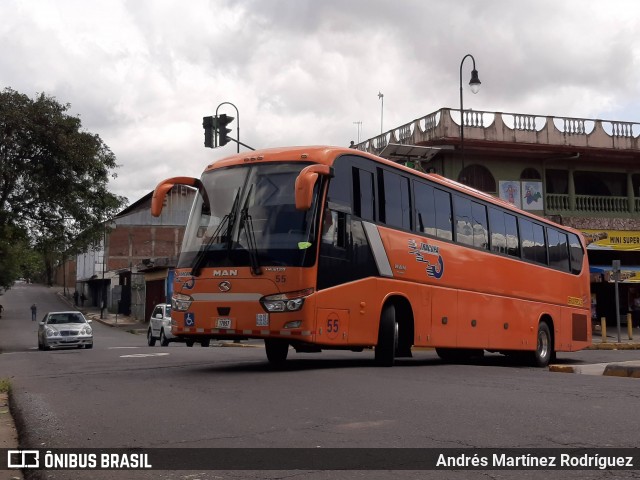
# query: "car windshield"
(61, 318)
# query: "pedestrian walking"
(34, 312)
(75, 298)
(82, 299)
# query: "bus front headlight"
(181, 302)
(285, 302)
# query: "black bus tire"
(387, 337)
(543, 353)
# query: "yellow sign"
(612, 239)
(575, 302)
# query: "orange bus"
(321, 248)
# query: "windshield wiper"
(246, 223)
(228, 220)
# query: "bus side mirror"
(163, 187)
(305, 183)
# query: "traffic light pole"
(238, 143)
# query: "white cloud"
(142, 74)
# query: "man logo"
(225, 273)
(224, 286)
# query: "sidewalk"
(627, 342)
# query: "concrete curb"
(614, 346)
(629, 369)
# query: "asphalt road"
(123, 393)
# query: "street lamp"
(474, 84)
(381, 97)
(359, 124)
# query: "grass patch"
(5, 385)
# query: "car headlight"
(181, 302)
(51, 332)
(86, 331)
(285, 302)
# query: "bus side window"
(576, 253)
(334, 228)
(444, 227)
(363, 194)
(558, 250)
(533, 242)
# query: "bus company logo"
(189, 283)
(225, 273)
(435, 265)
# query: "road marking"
(140, 355)
(114, 348)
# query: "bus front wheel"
(543, 353)
(387, 337)
(277, 350)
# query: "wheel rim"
(543, 345)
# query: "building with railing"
(584, 173)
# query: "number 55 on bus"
(321, 248)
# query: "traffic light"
(209, 125)
(223, 132)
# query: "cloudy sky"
(143, 73)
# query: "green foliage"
(53, 180)
(5, 385)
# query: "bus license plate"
(223, 323)
(262, 319)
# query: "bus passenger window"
(425, 208)
(558, 250)
(511, 228)
(498, 230)
(480, 226)
(363, 194)
(576, 253)
(532, 239)
(443, 214)
(395, 209)
(464, 229)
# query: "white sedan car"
(64, 329)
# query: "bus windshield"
(246, 216)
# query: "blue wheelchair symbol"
(189, 319)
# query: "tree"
(53, 177)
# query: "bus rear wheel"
(277, 350)
(543, 353)
(387, 337)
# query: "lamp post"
(381, 97)
(474, 84)
(103, 296)
(359, 124)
